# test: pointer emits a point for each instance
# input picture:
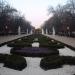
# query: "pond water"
(33, 67)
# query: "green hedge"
(52, 45)
(51, 62)
(55, 61)
(43, 40)
(24, 52)
(22, 44)
(56, 45)
(68, 60)
(19, 43)
(48, 42)
(13, 61)
(3, 57)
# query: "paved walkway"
(67, 40)
(4, 39)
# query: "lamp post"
(6, 29)
(68, 30)
(19, 30)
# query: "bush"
(19, 44)
(27, 39)
(34, 52)
(48, 42)
(55, 61)
(68, 60)
(43, 40)
(22, 42)
(45, 44)
(15, 62)
(52, 45)
(51, 62)
(3, 57)
(56, 46)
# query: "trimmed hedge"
(3, 57)
(56, 45)
(68, 60)
(43, 40)
(13, 61)
(55, 61)
(51, 62)
(22, 44)
(48, 42)
(34, 52)
(52, 45)
(19, 43)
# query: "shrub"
(45, 44)
(51, 62)
(15, 62)
(56, 46)
(34, 52)
(48, 42)
(55, 61)
(68, 60)
(3, 57)
(19, 44)
(52, 45)
(22, 42)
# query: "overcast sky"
(35, 10)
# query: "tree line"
(63, 19)
(11, 19)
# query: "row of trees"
(10, 20)
(63, 19)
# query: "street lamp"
(68, 29)
(6, 27)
